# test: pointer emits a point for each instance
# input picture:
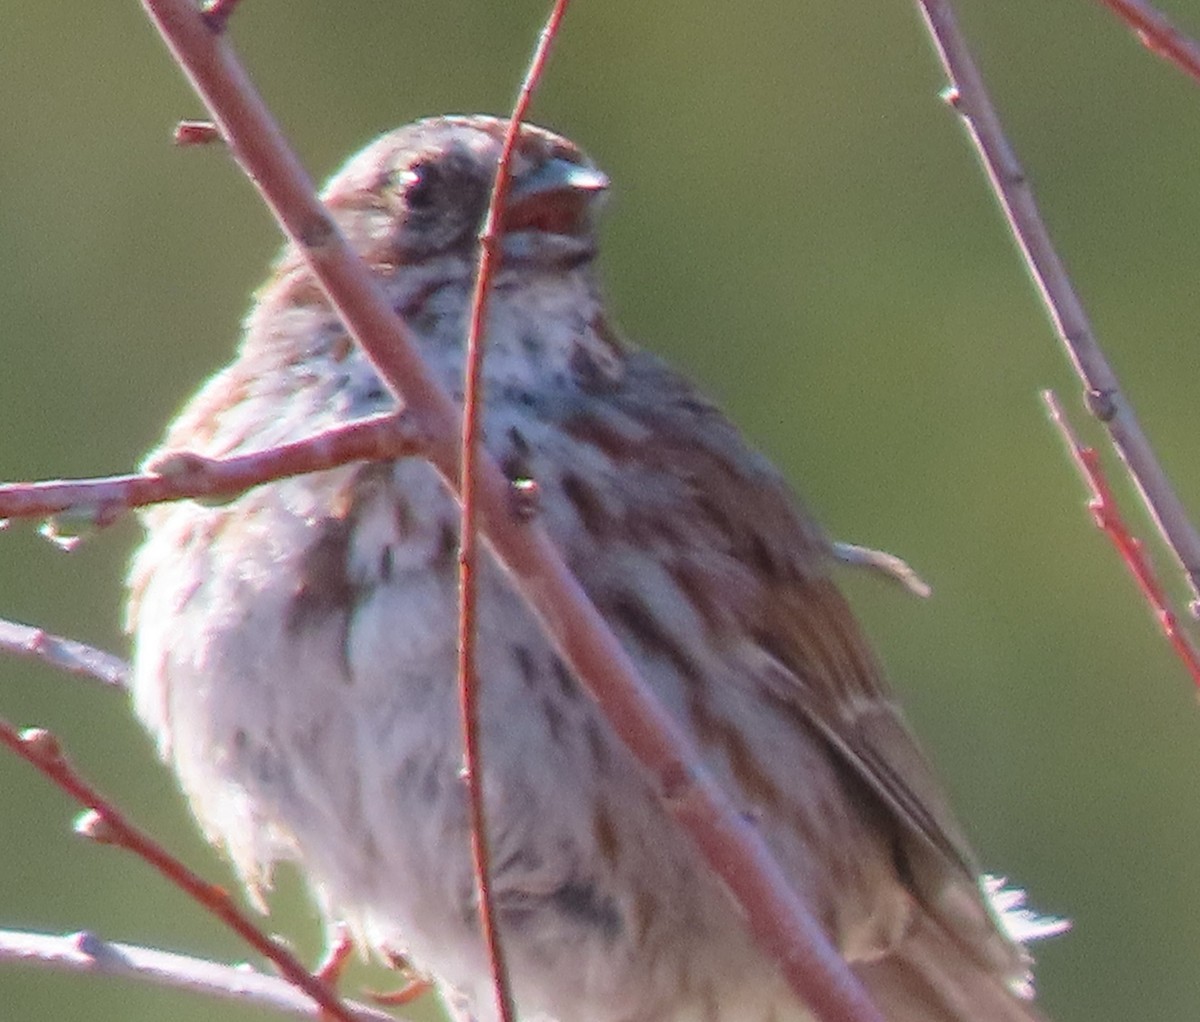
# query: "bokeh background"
(798, 221)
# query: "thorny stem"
(468, 679)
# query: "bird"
(295, 647)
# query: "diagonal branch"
(66, 654)
(1106, 400)
(777, 917)
(1158, 35)
(1107, 517)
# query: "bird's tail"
(930, 976)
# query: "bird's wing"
(736, 506)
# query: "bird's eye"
(419, 184)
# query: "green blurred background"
(798, 221)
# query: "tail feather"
(930, 977)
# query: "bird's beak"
(558, 175)
(554, 199)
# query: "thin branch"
(86, 953)
(180, 475)
(468, 589)
(777, 917)
(106, 824)
(1107, 517)
(66, 654)
(1106, 400)
(891, 567)
(1155, 31)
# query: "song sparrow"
(295, 649)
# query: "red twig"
(181, 474)
(1106, 399)
(1107, 516)
(468, 680)
(779, 920)
(106, 824)
(1155, 31)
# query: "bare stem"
(891, 567)
(180, 475)
(1105, 398)
(66, 654)
(468, 681)
(87, 953)
(1158, 35)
